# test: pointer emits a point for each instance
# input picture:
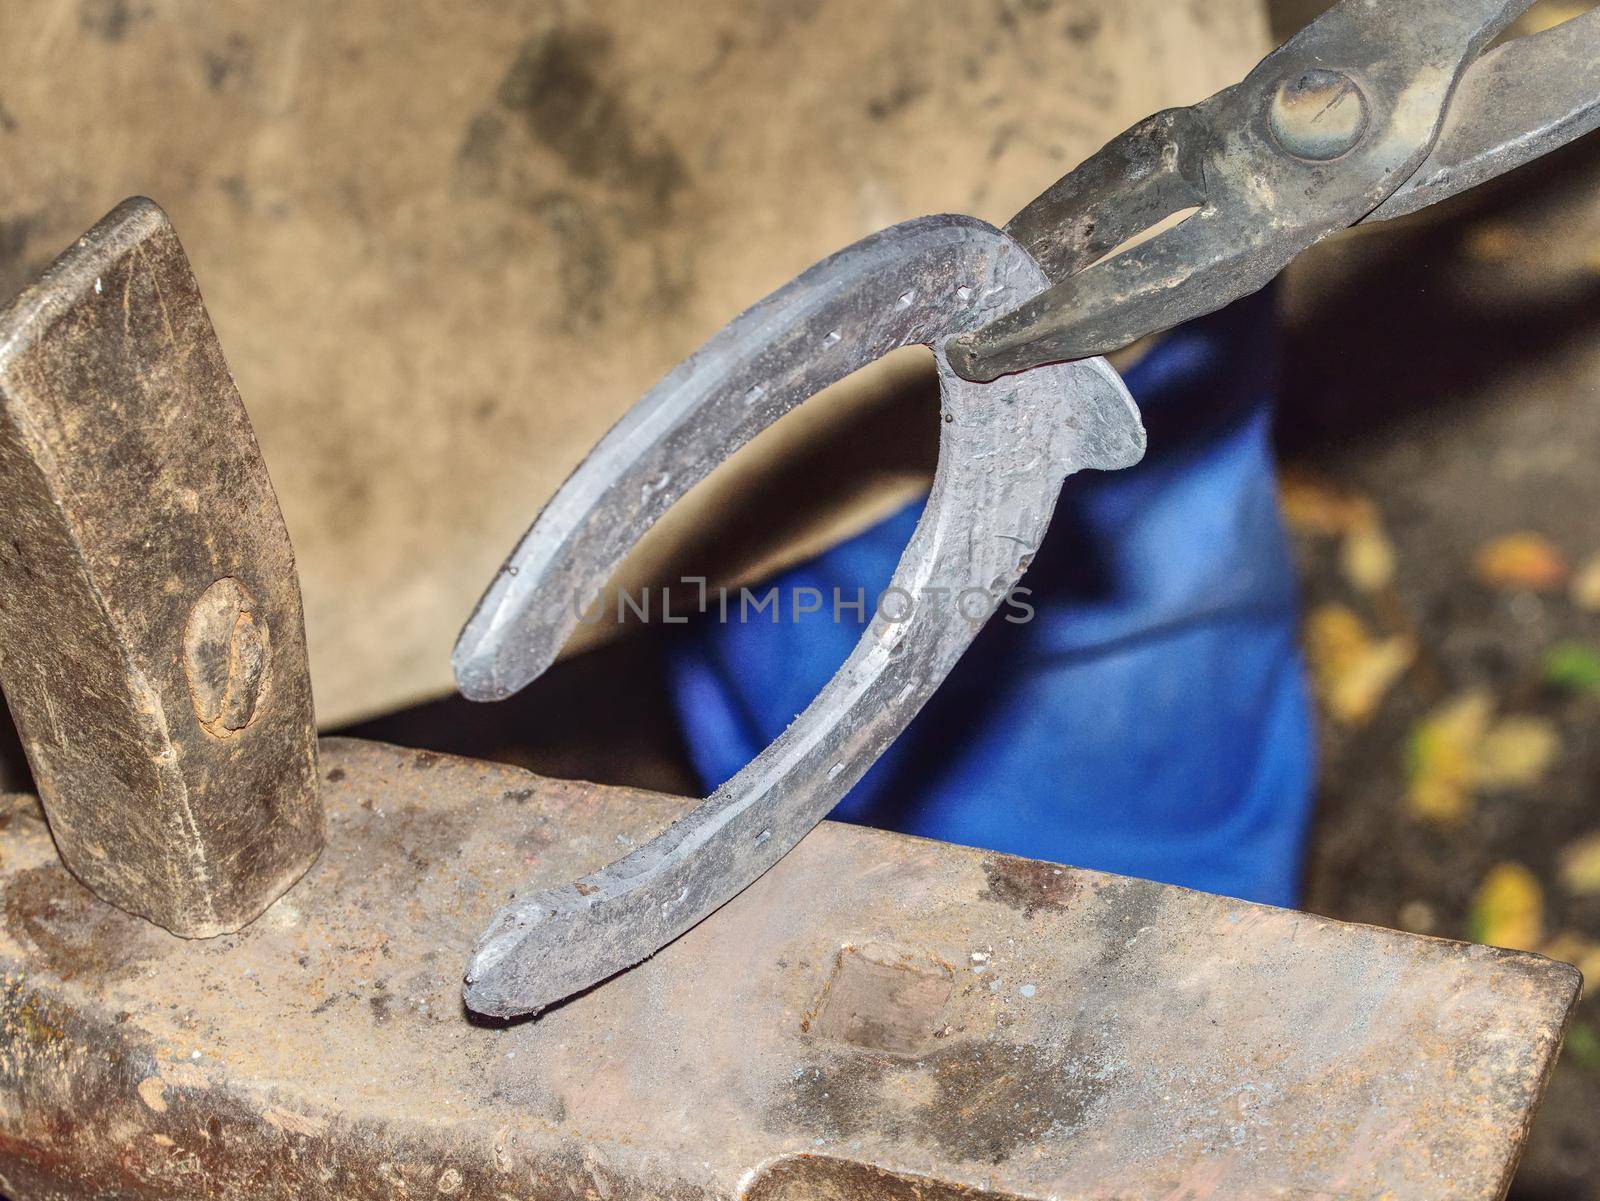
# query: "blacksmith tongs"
(1379, 108)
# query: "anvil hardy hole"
(883, 998)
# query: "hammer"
(152, 645)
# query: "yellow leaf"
(1523, 561)
(1580, 866)
(1311, 506)
(1442, 756)
(1367, 558)
(1583, 953)
(1509, 909)
(1586, 586)
(1352, 671)
(1516, 753)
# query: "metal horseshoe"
(1005, 448)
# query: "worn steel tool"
(151, 642)
(1373, 111)
(878, 1018)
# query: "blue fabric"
(1152, 719)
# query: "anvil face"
(877, 1016)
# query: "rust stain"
(807, 1177)
(1029, 886)
(979, 1100)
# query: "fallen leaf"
(1572, 947)
(1586, 586)
(1460, 748)
(1352, 670)
(1580, 866)
(1441, 757)
(1367, 558)
(1525, 561)
(1516, 753)
(1508, 910)
(1574, 666)
(1583, 1047)
(1312, 507)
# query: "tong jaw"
(1005, 449)
(1320, 134)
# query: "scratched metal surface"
(877, 1016)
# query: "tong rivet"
(1318, 115)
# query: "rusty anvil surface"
(878, 1016)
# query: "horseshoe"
(1004, 450)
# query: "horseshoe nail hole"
(833, 338)
(836, 771)
(963, 293)
(908, 298)
(755, 393)
(763, 836)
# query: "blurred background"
(445, 251)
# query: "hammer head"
(152, 646)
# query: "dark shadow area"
(14, 774)
(603, 715)
(1403, 319)
(881, 438)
